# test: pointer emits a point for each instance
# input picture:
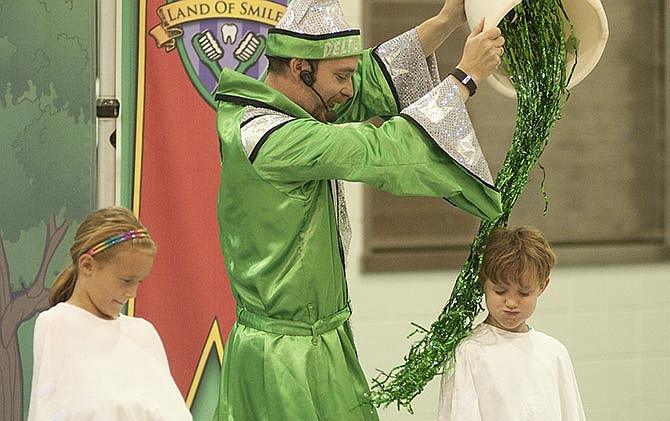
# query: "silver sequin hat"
(313, 29)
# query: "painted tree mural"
(47, 155)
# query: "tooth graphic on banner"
(229, 33)
(249, 51)
(200, 32)
(209, 51)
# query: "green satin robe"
(290, 355)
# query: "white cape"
(88, 368)
(504, 376)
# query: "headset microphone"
(307, 78)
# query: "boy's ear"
(544, 285)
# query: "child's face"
(107, 286)
(510, 305)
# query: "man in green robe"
(285, 143)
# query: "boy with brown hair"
(505, 370)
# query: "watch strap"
(465, 79)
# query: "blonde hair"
(98, 226)
(514, 255)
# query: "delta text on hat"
(315, 30)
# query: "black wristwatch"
(465, 79)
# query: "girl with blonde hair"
(90, 361)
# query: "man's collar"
(241, 89)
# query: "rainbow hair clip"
(117, 239)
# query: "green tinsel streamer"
(535, 55)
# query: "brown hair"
(278, 65)
(98, 226)
(516, 254)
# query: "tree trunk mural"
(14, 310)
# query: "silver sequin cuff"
(412, 75)
(443, 116)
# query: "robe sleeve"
(430, 150)
(408, 72)
(389, 78)
(40, 383)
(152, 342)
(458, 399)
(570, 400)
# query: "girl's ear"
(85, 264)
(544, 286)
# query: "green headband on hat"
(288, 44)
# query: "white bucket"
(590, 26)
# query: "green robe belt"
(293, 327)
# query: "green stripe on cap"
(287, 45)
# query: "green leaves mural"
(47, 164)
(50, 44)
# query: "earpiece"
(307, 77)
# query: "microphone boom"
(331, 115)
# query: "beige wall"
(615, 320)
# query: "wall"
(47, 168)
(613, 319)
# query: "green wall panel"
(47, 166)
